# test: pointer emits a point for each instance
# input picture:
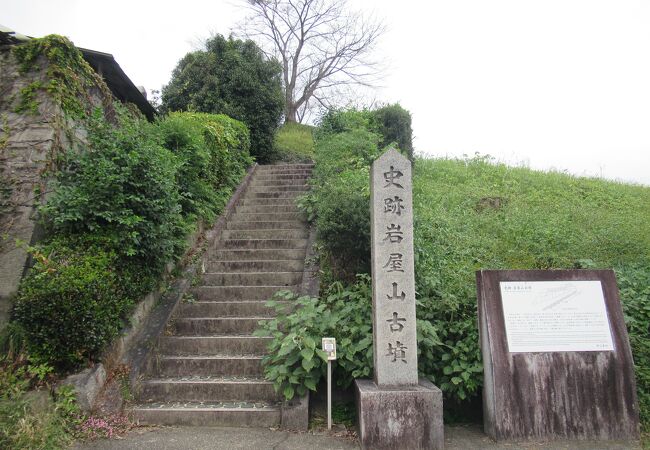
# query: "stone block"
(87, 386)
(404, 417)
(295, 414)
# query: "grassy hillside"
(294, 142)
(470, 214)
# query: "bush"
(231, 77)
(344, 313)
(121, 188)
(72, 303)
(213, 154)
(341, 196)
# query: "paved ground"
(203, 438)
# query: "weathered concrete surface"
(405, 417)
(26, 141)
(87, 386)
(457, 437)
(393, 279)
(295, 414)
(555, 395)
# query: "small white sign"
(555, 316)
(329, 347)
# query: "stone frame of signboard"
(551, 394)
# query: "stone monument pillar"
(396, 409)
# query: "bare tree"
(322, 46)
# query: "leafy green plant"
(71, 304)
(213, 157)
(395, 127)
(121, 188)
(293, 363)
(31, 419)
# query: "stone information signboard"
(396, 410)
(555, 316)
(556, 356)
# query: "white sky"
(551, 84)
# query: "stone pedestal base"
(399, 417)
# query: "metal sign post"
(329, 347)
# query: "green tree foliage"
(394, 124)
(230, 77)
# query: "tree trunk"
(290, 113)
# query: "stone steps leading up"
(243, 308)
(278, 265)
(225, 414)
(208, 370)
(208, 365)
(208, 389)
(206, 345)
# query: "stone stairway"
(207, 370)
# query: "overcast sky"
(550, 84)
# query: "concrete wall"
(26, 141)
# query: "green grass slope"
(294, 142)
(470, 214)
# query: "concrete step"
(262, 217)
(252, 201)
(269, 181)
(256, 254)
(211, 325)
(251, 278)
(266, 209)
(264, 234)
(209, 365)
(230, 293)
(280, 265)
(283, 170)
(207, 389)
(242, 308)
(286, 166)
(226, 345)
(276, 188)
(227, 244)
(224, 414)
(266, 225)
(252, 193)
(301, 177)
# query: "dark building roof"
(120, 85)
(105, 65)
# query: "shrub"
(72, 303)
(293, 363)
(213, 154)
(121, 188)
(341, 197)
(344, 313)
